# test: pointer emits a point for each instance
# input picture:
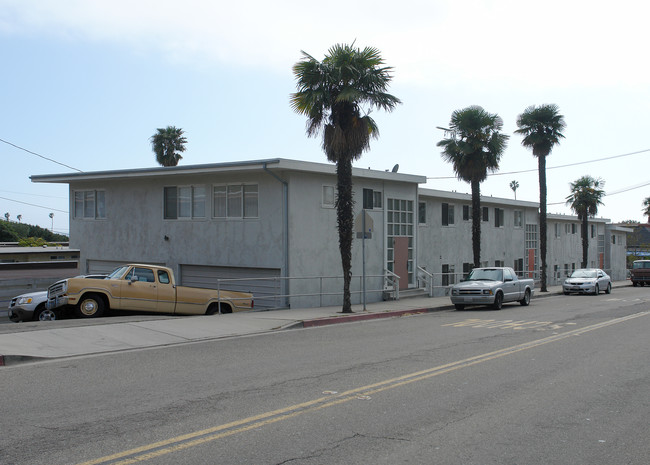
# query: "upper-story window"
(235, 201)
(518, 218)
(447, 214)
(184, 202)
(328, 197)
(486, 213)
(499, 215)
(90, 204)
(467, 212)
(422, 213)
(371, 199)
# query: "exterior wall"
(451, 245)
(564, 251)
(314, 244)
(134, 229)
(616, 251)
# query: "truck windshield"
(118, 272)
(485, 274)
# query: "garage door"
(263, 283)
(106, 266)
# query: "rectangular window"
(328, 197)
(422, 213)
(499, 263)
(184, 202)
(593, 231)
(90, 204)
(573, 228)
(566, 269)
(447, 214)
(368, 199)
(467, 267)
(377, 199)
(498, 217)
(558, 230)
(486, 214)
(518, 218)
(467, 212)
(448, 275)
(235, 201)
(613, 239)
(567, 228)
(519, 267)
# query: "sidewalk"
(33, 341)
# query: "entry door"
(401, 258)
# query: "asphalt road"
(565, 380)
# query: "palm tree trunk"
(476, 222)
(542, 217)
(345, 220)
(585, 239)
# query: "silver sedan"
(587, 281)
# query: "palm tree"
(474, 149)
(586, 195)
(167, 144)
(646, 209)
(330, 94)
(542, 129)
(514, 185)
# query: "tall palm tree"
(646, 209)
(514, 185)
(168, 144)
(474, 149)
(586, 195)
(330, 94)
(542, 129)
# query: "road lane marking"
(178, 443)
(508, 324)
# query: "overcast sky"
(86, 83)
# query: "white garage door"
(106, 266)
(261, 282)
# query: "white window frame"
(328, 196)
(188, 202)
(93, 204)
(238, 201)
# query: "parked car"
(587, 281)
(492, 286)
(32, 306)
(143, 288)
(640, 272)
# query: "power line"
(554, 167)
(620, 191)
(38, 155)
(34, 205)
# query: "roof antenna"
(395, 168)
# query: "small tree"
(168, 144)
(586, 195)
(514, 185)
(646, 208)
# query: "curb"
(349, 318)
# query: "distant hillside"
(27, 234)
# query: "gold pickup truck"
(144, 288)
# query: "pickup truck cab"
(492, 286)
(640, 273)
(145, 288)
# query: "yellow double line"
(178, 443)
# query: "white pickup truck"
(492, 286)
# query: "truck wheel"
(498, 301)
(90, 306)
(459, 306)
(43, 314)
(526, 300)
(634, 283)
